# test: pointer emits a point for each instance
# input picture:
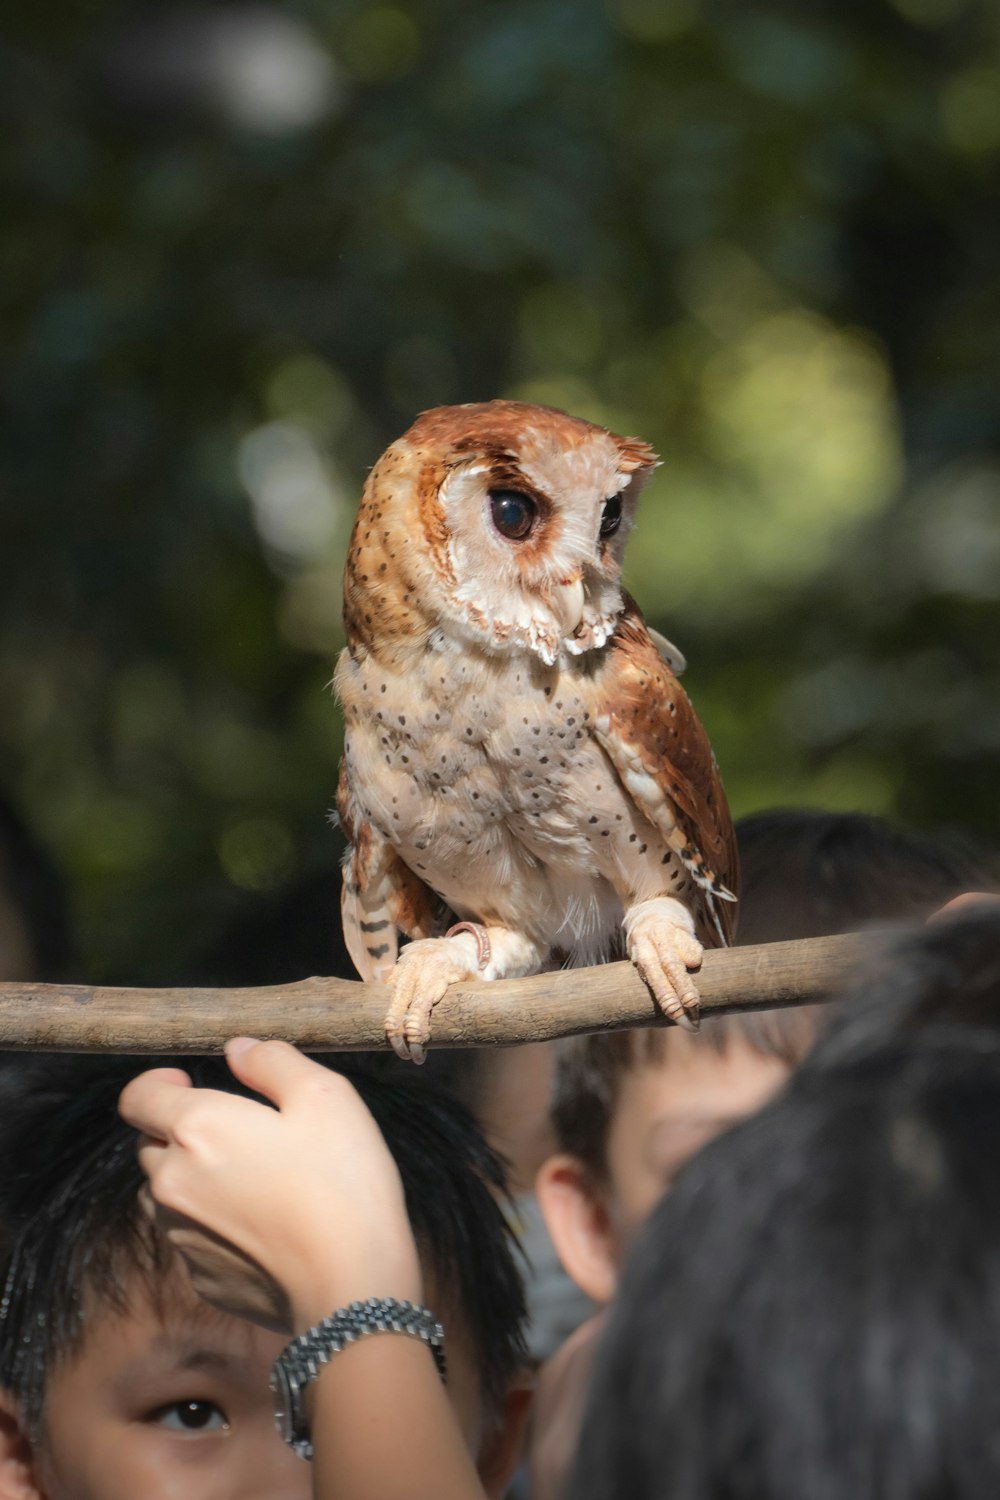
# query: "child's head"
(119, 1381)
(815, 1311)
(630, 1108)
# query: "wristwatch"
(301, 1360)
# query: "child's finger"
(149, 1102)
(960, 903)
(275, 1069)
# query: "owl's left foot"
(663, 948)
(423, 972)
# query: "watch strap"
(302, 1359)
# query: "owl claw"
(423, 972)
(394, 1033)
(664, 951)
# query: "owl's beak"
(567, 605)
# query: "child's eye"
(191, 1416)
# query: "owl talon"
(394, 1035)
(417, 1034)
(663, 951)
(422, 974)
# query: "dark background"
(242, 245)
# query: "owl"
(524, 783)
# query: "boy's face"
(669, 1107)
(171, 1406)
(173, 1403)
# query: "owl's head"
(515, 519)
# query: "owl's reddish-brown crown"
(482, 425)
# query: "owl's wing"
(380, 896)
(656, 743)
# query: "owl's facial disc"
(534, 514)
(533, 565)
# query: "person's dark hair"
(814, 1310)
(30, 881)
(932, 979)
(805, 873)
(76, 1237)
(810, 873)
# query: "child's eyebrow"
(180, 1350)
(205, 1359)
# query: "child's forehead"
(692, 1074)
(674, 1051)
(160, 1306)
(159, 1344)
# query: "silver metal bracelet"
(376, 1315)
(300, 1361)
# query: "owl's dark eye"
(611, 515)
(514, 514)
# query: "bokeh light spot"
(560, 326)
(294, 500)
(654, 20)
(379, 42)
(970, 110)
(308, 391)
(929, 12)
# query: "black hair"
(930, 979)
(814, 1310)
(75, 1235)
(810, 873)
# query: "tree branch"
(342, 1015)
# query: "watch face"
(284, 1400)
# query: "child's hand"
(281, 1214)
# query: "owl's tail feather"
(370, 933)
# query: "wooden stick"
(342, 1015)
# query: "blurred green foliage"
(242, 246)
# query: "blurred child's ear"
(578, 1221)
(17, 1460)
(502, 1444)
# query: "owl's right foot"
(664, 949)
(423, 972)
